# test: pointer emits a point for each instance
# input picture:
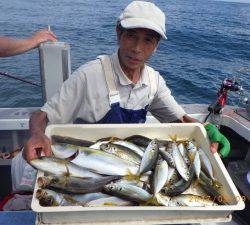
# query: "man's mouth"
(134, 60)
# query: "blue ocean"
(208, 41)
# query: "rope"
(20, 79)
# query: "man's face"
(136, 46)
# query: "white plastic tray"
(142, 214)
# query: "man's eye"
(149, 40)
(131, 35)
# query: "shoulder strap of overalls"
(107, 67)
(153, 83)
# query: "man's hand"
(42, 36)
(216, 137)
(36, 145)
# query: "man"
(114, 89)
(11, 46)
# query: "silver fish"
(167, 153)
(75, 185)
(162, 199)
(133, 147)
(184, 153)
(150, 157)
(160, 176)
(191, 201)
(192, 149)
(110, 201)
(128, 191)
(48, 197)
(104, 163)
(63, 150)
(122, 152)
(172, 176)
(205, 163)
(180, 186)
(85, 198)
(61, 167)
(98, 144)
(180, 164)
(197, 164)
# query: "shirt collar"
(123, 79)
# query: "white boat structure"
(55, 59)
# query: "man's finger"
(47, 149)
(52, 34)
(214, 147)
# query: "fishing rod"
(20, 79)
(226, 86)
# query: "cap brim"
(132, 23)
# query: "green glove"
(215, 136)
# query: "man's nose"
(138, 46)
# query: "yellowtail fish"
(63, 151)
(61, 167)
(104, 163)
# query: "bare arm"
(11, 46)
(38, 141)
(187, 119)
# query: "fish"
(192, 149)
(184, 153)
(149, 157)
(205, 163)
(128, 191)
(212, 188)
(85, 198)
(180, 186)
(172, 176)
(162, 199)
(63, 151)
(191, 201)
(69, 140)
(109, 201)
(197, 164)
(139, 140)
(180, 164)
(167, 153)
(160, 176)
(75, 185)
(104, 163)
(147, 172)
(48, 197)
(134, 148)
(98, 144)
(61, 167)
(122, 152)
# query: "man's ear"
(156, 47)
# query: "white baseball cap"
(140, 14)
